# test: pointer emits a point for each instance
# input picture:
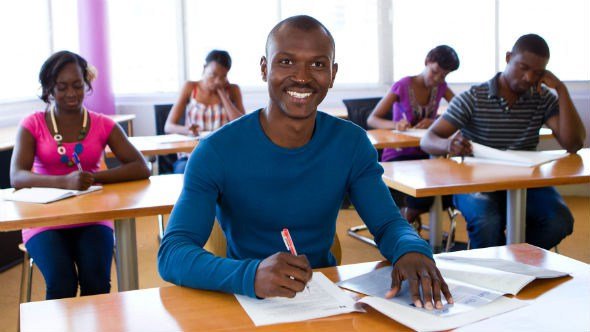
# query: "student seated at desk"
(506, 113)
(205, 105)
(287, 166)
(413, 102)
(43, 157)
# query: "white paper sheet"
(511, 157)
(505, 265)
(171, 138)
(43, 195)
(321, 299)
(422, 321)
(497, 280)
(466, 297)
(412, 132)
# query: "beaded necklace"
(78, 148)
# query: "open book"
(43, 195)
(512, 157)
(477, 292)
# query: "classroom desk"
(154, 146)
(176, 308)
(339, 112)
(386, 138)
(8, 134)
(120, 201)
(436, 177)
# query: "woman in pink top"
(205, 105)
(44, 157)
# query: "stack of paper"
(511, 157)
(43, 195)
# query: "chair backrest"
(359, 110)
(165, 162)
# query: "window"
(353, 24)
(223, 24)
(25, 45)
(143, 46)
(465, 25)
(565, 25)
(64, 20)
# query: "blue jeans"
(72, 256)
(548, 219)
(180, 165)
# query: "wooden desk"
(436, 177)
(8, 134)
(388, 139)
(120, 201)
(152, 146)
(183, 309)
(339, 112)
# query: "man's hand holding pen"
(459, 145)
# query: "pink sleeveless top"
(47, 160)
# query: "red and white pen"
(288, 241)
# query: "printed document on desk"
(171, 138)
(321, 299)
(43, 195)
(511, 157)
(472, 303)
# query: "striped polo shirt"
(485, 118)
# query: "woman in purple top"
(414, 101)
(43, 156)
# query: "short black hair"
(301, 22)
(531, 43)
(445, 56)
(219, 56)
(53, 66)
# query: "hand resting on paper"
(282, 275)
(420, 271)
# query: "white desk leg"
(127, 276)
(436, 225)
(515, 216)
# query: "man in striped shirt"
(506, 113)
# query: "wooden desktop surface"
(388, 139)
(153, 196)
(149, 146)
(176, 308)
(430, 177)
(8, 134)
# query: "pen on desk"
(77, 161)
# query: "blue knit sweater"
(256, 188)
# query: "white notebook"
(44, 195)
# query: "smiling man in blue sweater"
(288, 166)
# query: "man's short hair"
(301, 22)
(531, 43)
(445, 56)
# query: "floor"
(576, 246)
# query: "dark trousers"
(72, 256)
